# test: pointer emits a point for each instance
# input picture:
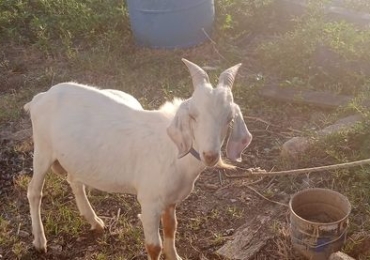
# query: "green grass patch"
(67, 22)
(320, 55)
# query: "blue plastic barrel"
(170, 23)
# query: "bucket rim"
(321, 223)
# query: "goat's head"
(203, 120)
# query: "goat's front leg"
(84, 206)
(150, 218)
(169, 223)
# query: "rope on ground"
(260, 172)
(263, 173)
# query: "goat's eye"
(192, 117)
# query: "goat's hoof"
(172, 257)
(98, 226)
(98, 229)
(40, 246)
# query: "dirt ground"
(218, 204)
(208, 218)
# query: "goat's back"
(97, 138)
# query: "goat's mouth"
(211, 163)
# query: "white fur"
(105, 140)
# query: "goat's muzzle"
(211, 158)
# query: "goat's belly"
(112, 187)
(97, 173)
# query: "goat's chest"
(181, 188)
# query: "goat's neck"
(191, 165)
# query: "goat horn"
(228, 76)
(198, 75)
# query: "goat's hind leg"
(82, 202)
(84, 206)
(41, 164)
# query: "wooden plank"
(250, 238)
(340, 256)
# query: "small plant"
(218, 239)
(238, 18)
(234, 212)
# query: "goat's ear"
(239, 138)
(198, 75)
(180, 131)
(228, 76)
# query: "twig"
(270, 182)
(260, 120)
(259, 194)
(254, 182)
(209, 37)
(214, 45)
(220, 177)
(118, 214)
(242, 185)
(295, 130)
(18, 229)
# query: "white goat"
(105, 140)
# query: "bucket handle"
(326, 243)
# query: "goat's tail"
(27, 107)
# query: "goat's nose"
(210, 158)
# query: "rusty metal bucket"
(318, 222)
